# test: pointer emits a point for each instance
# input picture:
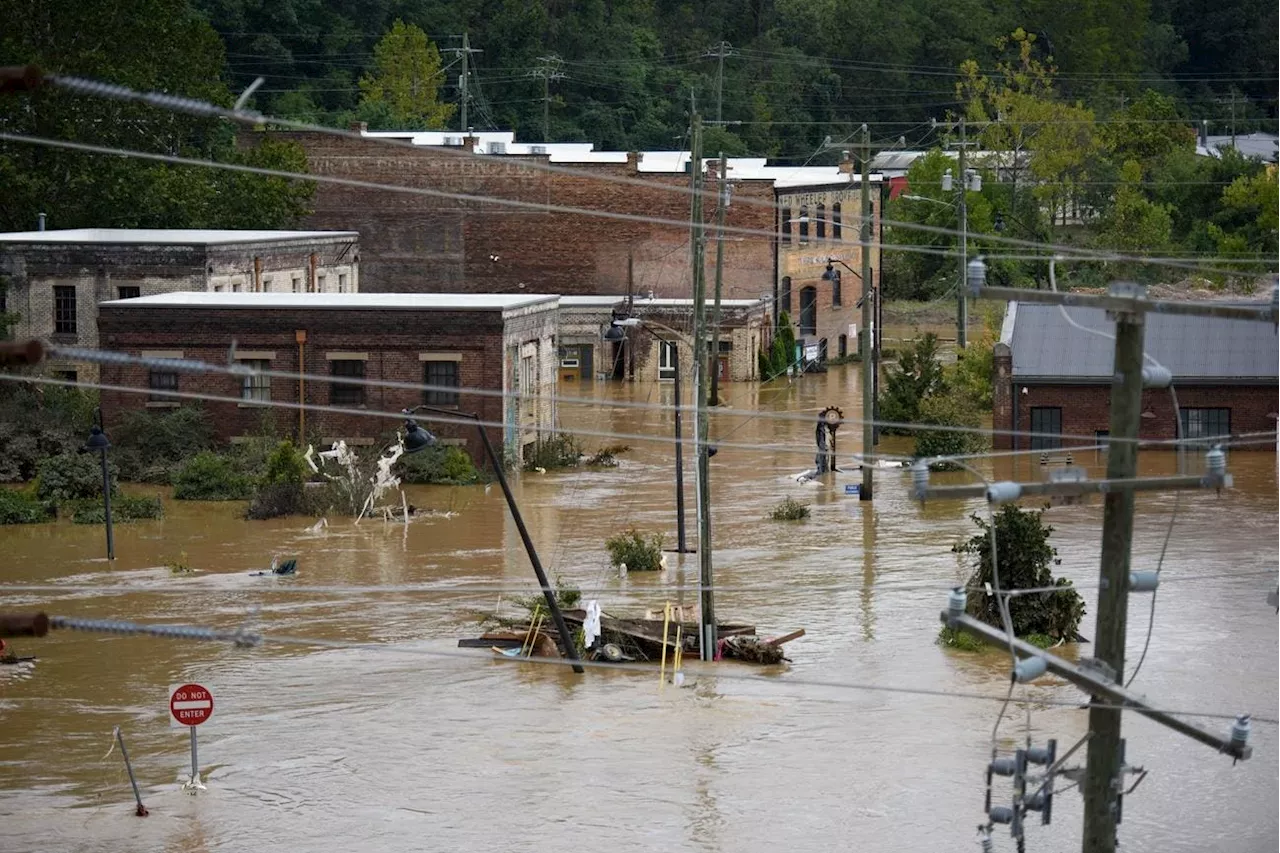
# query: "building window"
(162, 380)
(1102, 437)
(128, 291)
(726, 346)
(822, 350)
(784, 297)
(321, 279)
(217, 288)
(1046, 427)
(64, 310)
(441, 373)
(1205, 423)
(256, 386)
(822, 221)
(786, 225)
(342, 282)
(235, 288)
(836, 293)
(835, 221)
(666, 361)
(66, 375)
(342, 394)
(808, 311)
(266, 284)
(843, 346)
(296, 282)
(804, 224)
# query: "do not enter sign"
(190, 704)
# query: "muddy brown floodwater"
(413, 745)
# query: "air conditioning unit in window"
(453, 140)
(537, 149)
(497, 148)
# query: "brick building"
(476, 247)
(488, 342)
(57, 278)
(647, 356)
(817, 222)
(1055, 379)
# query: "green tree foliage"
(1246, 223)
(149, 446)
(916, 376)
(149, 44)
(286, 466)
(208, 476)
(964, 419)
(124, 509)
(1025, 561)
(21, 506)
(782, 352)
(402, 89)
(40, 421)
(73, 477)
(1135, 223)
(440, 465)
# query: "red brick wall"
(392, 339)
(1087, 409)
(419, 243)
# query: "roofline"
(1202, 381)
(303, 236)
(138, 304)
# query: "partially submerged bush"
(557, 451)
(124, 509)
(281, 499)
(21, 506)
(1025, 557)
(150, 445)
(443, 465)
(963, 436)
(607, 456)
(73, 477)
(210, 477)
(635, 550)
(790, 509)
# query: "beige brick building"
(56, 279)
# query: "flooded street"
(417, 745)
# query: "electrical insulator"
(1156, 376)
(999, 493)
(1001, 814)
(1240, 732)
(919, 480)
(984, 840)
(1029, 669)
(956, 602)
(976, 275)
(1042, 755)
(1216, 461)
(1035, 802)
(975, 182)
(1143, 581)
(946, 181)
(1004, 766)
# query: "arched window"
(822, 221)
(822, 351)
(786, 225)
(804, 224)
(835, 221)
(784, 295)
(844, 346)
(808, 311)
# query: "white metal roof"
(688, 303)
(349, 301)
(590, 301)
(166, 236)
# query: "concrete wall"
(422, 243)
(393, 344)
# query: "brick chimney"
(358, 126)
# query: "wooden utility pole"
(962, 305)
(720, 51)
(1103, 779)
(867, 334)
(464, 53)
(722, 203)
(707, 638)
(548, 70)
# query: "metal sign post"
(190, 705)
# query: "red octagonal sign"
(191, 704)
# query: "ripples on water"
(362, 749)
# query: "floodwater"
(413, 744)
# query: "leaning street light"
(98, 441)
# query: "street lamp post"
(634, 322)
(417, 439)
(869, 354)
(98, 441)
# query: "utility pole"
(707, 636)
(464, 54)
(549, 70)
(722, 203)
(962, 306)
(720, 51)
(1101, 783)
(867, 335)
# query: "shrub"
(124, 509)
(790, 509)
(210, 477)
(281, 499)
(41, 421)
(567, 598)
(953, 639)
(638, 552)
(917, 376)
(607, 457)
(20, 506)
(558, 451)
(150, 445)
(440, 465)
(951, 410)
(1025, 555)
(73, 477)
(286, 465)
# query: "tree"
(406, 80)
(1147, 131)
(1247, 221)
(917, 376)
(1134, 223)
(1025, 562)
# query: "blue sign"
(852, 489)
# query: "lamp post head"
(416, 438)
(97, 439)
(831, 274)
(999, 222)
(614, 332)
